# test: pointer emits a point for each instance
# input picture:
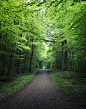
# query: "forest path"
(41, 93)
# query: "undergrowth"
(9, 87)
(71, 84)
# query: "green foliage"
(59, 78)
(7, 88)
(67, 19)
(72, 84)
(19, 24)
(34, 23)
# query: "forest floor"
(40, 93)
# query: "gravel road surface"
(40, 93)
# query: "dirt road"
(41, 93)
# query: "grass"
(71, 84)
(7, 88)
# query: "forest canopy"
(42, 34)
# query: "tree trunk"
(11, 75)
(0, 36)
(8, 73)
(63, 63)
(40, 64)
(31, 59)
(65, 41)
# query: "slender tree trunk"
(8, 73)
(31, 59)
(18, 61)
(63, 63)
(9, 70)
(18, 65)
(0, 36)
(65, 41)
(0, 33)
(40, 64)
(11, 75)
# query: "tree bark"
(31, 58)
(11, 75)
(63, 63)
(0, 36)
(65, 41)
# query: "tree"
(66, 19)
(12, 12)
